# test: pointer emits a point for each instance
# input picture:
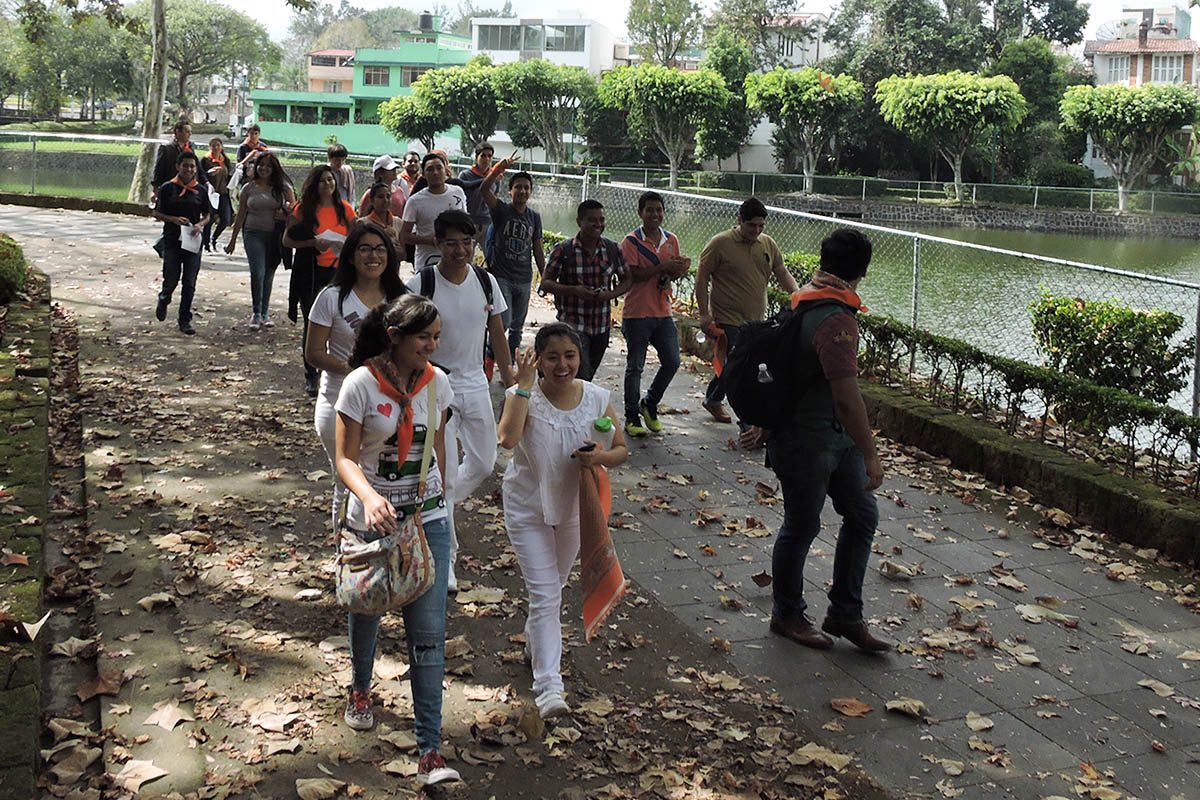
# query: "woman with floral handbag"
(391, 407)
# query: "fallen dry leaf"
(907, 705)
(135, 773)
(850, 706)
(167, 715)
(108, 683)
(813, 752)
(977, 722)
(153, 602)
(322, 788)
(480, 594)
(71, 647)
(1158, 687)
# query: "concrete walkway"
(1105, 705)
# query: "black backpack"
(429, 283)
(766, 371)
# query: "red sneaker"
(433, 769)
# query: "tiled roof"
(1132, 46)
(346, 53)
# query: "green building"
(364, 80)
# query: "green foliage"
(1129, 125)
(1113, 345)
(763, 25)
(663, 30)
(725, 133)
(406, 118)
(665, 106)
(806, 104)
(950, 110)
(13, 269)
(1040, 75)
(550, 239)
(463, 96)
(802, 266)
(1007, 386)
(1063, 173)
(542, 98)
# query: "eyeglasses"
(457, 242)
(366, 250)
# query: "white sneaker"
(254, 323)
(551, 705)
(432, 769)
(452, 581)
(267, 322)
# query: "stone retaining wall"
(24, 455)
(1098, 223)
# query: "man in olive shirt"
(738, 262)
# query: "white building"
(569, 40)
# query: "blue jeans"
(639, 333)
(716, 387)
(425, 635)
(179, 263)
(807, 476)
(516, 297)
(257, 245)
(222, 217)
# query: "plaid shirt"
(571, 265)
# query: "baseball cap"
(385, 162)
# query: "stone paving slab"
(1083, 676)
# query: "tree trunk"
(674, 161)
(1122, 197)
(139, 187)
(956, 165)
(739, 158)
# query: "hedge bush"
(802, 266)
(13, 269)
(1113, 345)
(961, 376)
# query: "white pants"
(546, 554)
(325, 418)
(472, 427)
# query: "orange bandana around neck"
(185, 188)
(387, 376)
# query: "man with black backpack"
(470, 305)
(585, 274)
(826, 448)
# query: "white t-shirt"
(464, 312)
(343, 326)
(542, 475)
(361, 401)
(422, 209)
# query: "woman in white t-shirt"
(549, 415)
(369, 276)
(382, 426)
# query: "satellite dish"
(1109, 31)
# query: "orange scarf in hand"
(186, 187)
(386, 374)
(603, 580)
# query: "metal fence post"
(753, 179)
(1196, 371)
(864, 194)
(645, 179)
(918, 193)
(1152, 211)
(1035, 195)
(33, 170)
(974, 189)
(916, 286)
(1091, 199)
(584, 184)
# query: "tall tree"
(542, 98)
(464, 95)
(1129, 125)
(724, 134)
(761, 23)
(406, 118)
(808, 105)
(467, 9)
(950, 110)
(139, 186)
(666, 106)
(661, 31)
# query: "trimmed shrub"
(550, 239)
(802, 266)
(1064, 173)
(1113, 345)
(13, 268)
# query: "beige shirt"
(740, 270)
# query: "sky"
(275, 14)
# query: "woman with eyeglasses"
(317, 230)
(367, 275)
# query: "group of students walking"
(375, 341)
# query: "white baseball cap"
(385, 162)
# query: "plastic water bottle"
(764, 374)
(700, 337)
(603, 432)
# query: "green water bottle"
(603, 432)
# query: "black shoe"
(801, 631)
(187, 329)
(857, 633)
(312, 385)
(160, 310)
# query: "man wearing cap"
(385, 169)
(472, 179)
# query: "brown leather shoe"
(856, 633)
(718, 412)
(801, 631)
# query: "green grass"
(67, 146)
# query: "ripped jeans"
(425, 634)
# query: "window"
(333, 86)
(531, 37)
(409, 75)
(565, 38)
(1166, 69)
(272, 113)
(304, 115)
(376, 76)
(1118, 69)
(335, 116)
(499, 37)
(787, 47)
(324, 61)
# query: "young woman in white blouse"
(549, 423)
(366, 277)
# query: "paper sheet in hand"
(334, 239)
(189, 238)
